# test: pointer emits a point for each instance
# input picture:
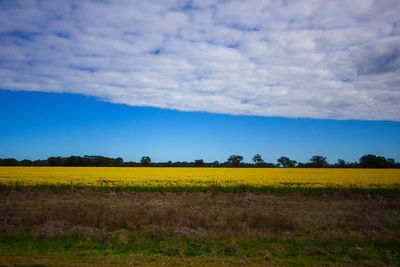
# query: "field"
(196, 216)
(202, 179)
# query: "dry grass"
(157, 215)
(132, 228)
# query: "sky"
(181, 80)
(39, 125)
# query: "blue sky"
(38, 125)
(309, 77)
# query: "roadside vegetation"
(89, 227)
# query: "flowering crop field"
(201, 179)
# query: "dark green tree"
(26, 162)
(234, 160)
(145, 161)
(286, 162)
(341, 163)
(215, 164)
(257, 159)
(75, 161)
(372, 161)
(318, 162)
(199, 163)
(391, 163)
(119, 161)
(55, 161)
(9, 162)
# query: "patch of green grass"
(140, 249)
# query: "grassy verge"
(85, 227)
(127, 248)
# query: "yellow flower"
(178, 178)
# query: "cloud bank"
(310, 59)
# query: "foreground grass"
(89, 227)
(138, 250)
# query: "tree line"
(366, 161)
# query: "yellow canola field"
(197, 177)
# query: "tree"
(372, 161)
(145, 161)
(75, 161)
(199, 163)
(215, 164)
(119, 161)
(40, 163)
(341, 163)
(257, 159)
(55, 161)
(390, 163)
(26, 162)
(318, 162)
(234, 160)
(8, 162)
(286, 162)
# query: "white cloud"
(313, 59)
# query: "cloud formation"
(311, 59)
